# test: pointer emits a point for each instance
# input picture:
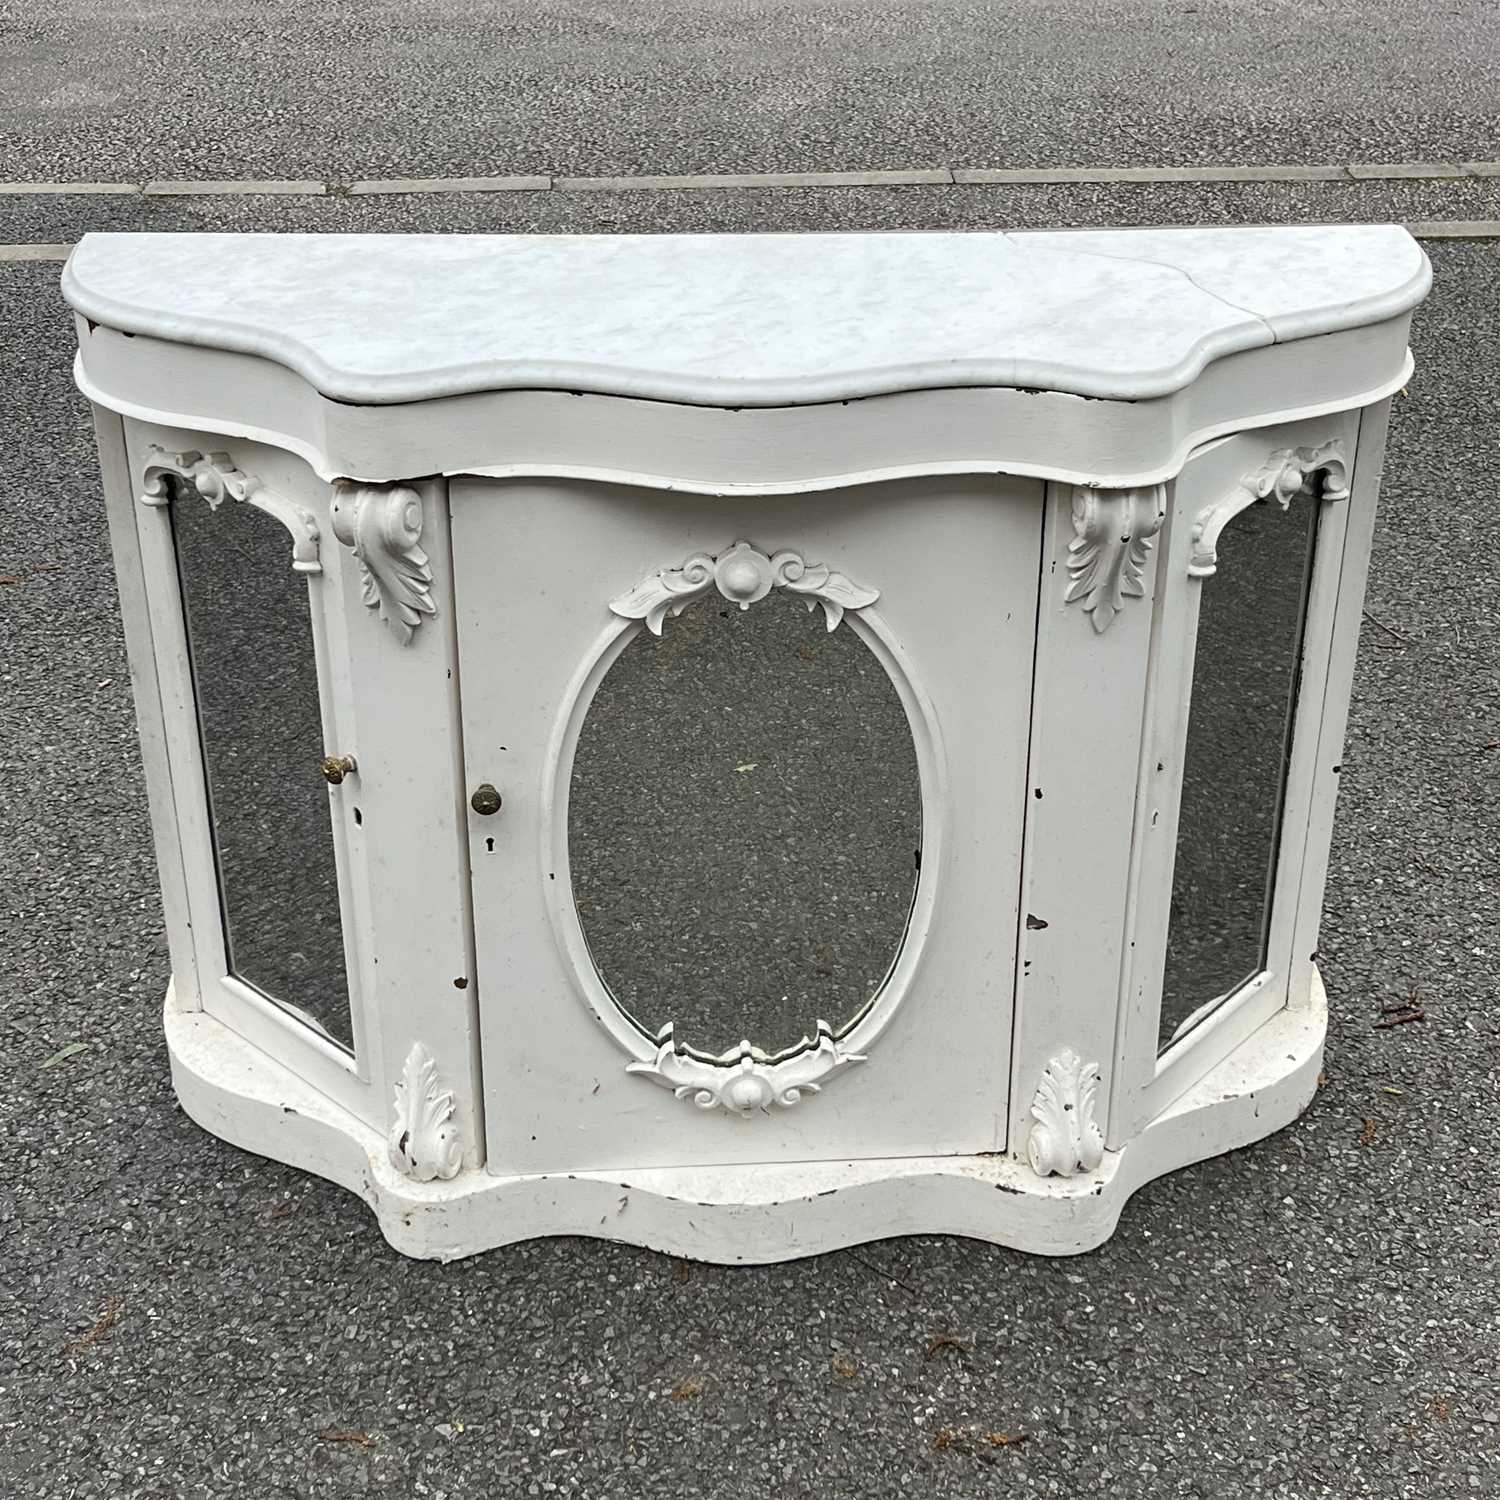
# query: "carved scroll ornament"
(746, 1081)
(424, 1142)
(216, 479)
(742, 575)
(1112, 531)
(382, 525)
(1066, 1138)
(1322, 472)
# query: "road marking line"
(450, 185)
(1430, 229)
(935, 177)
(1455, 229)
(1421, 171)
(986, 176)
(66, 189)
(234, 189)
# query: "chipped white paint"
(925, 469)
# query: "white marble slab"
(746, 320)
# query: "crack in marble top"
(747, 320)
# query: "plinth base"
(743, 1214)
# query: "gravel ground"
(104, 89)
(1313, 1317)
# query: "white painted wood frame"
(1001, 461)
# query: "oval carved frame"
(746, 1080)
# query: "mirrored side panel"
(250, 642)
(1245, 675)
(745, 825)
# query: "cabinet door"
(322, 921)
(1263, 559)
(788, 826)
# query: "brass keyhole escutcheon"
(486, 800)
(336, 767)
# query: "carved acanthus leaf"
(1112, 531)
(424, 1142)
(742, 575)
(215, 478)
(1066, 1138)
(745, 1080)
(1322, 472)
(382, 525)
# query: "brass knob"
(485, 801)
(335, 768)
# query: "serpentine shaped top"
(747, 320)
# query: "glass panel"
(745, 825)
(250, 639)
(1238, 745)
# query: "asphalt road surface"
(1313, 1317)
(108, 90)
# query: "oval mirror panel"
(745, 825)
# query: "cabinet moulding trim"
(743, 575)
(1065, 1138)
(1112, 531)
(855, 1040)
(1322, 472)
(215, 477)
(424, 1143)
(746, 1081)
(382, 525)
(318, 439)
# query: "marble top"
(747, 320)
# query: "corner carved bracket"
(1066, 1138)
(1322, 472)
(424, 1142)
(215, 478)
(1112, 531)
(746, 1081)
(742, 575)
(382, 525)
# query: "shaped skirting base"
(743, 1214)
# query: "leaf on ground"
(686, 1390)
(1005, 1439)
(749, 765)
(946, 1341)
(107, 1320)
(63, 1054)
(846, 1369)
(342, 1435)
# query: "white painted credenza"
(462, 578)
